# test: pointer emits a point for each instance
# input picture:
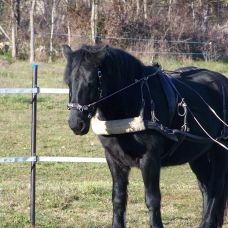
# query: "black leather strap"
(173, 133)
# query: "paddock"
(98, 191)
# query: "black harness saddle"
(172, 95)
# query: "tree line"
(37, 28)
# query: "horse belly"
(185, 153)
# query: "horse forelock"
(73, 64)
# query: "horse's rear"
(211, 166)
(212, 174)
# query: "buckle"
(70, 106)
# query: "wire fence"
(146, 46)
(125, 38)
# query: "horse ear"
(96, 55)
(100, 53)
(67, 51)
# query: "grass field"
(75, 194)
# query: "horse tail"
(223, 203)
(226, 192)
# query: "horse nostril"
(78, 126)
(81, 125)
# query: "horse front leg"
(120, 175)
(150, 168)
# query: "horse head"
(82, 77)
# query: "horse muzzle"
(80, 126)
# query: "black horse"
(148, 119)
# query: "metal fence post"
(33, 146)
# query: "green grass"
(6, 56)
(74, 194)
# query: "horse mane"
(117, 63)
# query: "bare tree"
(6, 35)
(94, 19)
(170, 9)
(14, 28)
(193, 15)
(15, 22)
(76, 5)
(206, 20)
(68, 21)
(32, 42)
(55, 4)
(145, 9)
(137, 7)
(165, 19)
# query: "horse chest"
(130, 148)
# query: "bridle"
(86, 108)
(90, 108)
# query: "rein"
(87, 108)
(151, 124)
(223, 133)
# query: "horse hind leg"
(223, 203)
(202, 168)
(213, 215)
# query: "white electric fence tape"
(50, 90)
(18, 90)
(33, 90)
(51, 159)
(37, 158)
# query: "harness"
(172, 94)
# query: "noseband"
(78, 107)
(86, 108)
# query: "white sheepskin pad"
(117, 126)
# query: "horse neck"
(127, 103)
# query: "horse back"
(203, 91)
